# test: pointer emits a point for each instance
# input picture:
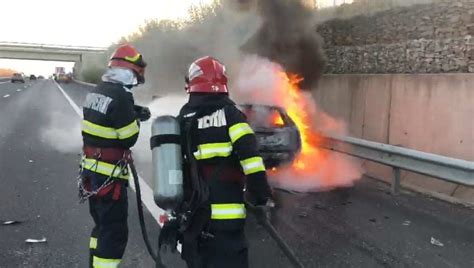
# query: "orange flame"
(313, 169)
(297, 106)
(276, 119)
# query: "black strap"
(158, 140)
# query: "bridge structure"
(48, 52)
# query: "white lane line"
(71, 102)
(6, 96)
(147, 192)
(4, 82)
(18, 90)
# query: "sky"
(78, 22)
(81, 23)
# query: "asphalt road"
(362, 226)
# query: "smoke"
(167, 105)
(62, 134)
(169, 47)
(283, 31)
(287, 36)
(264, 82)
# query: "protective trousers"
(227, 249)
(110, 233)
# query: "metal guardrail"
(441, 167)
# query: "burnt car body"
(278, 137)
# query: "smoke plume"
(287, 36)
(281, 30)
(62, 133)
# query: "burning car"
(278, 137)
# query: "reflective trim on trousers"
(93, 243)
(98, 262)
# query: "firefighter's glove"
(263, 212)
(143, 113)
(169, 235)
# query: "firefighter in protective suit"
(224, 149)
(109, 129)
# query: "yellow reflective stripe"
(252, 165)
(128, 131)
(105, 263)
(93, 243)
(99, 131)
(210, 150)
(133, 59)
(110, 133)
(239, 130)
(104, 168)
(228, 211)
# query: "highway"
(361, 226)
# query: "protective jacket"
(225, 149)
(109, 122)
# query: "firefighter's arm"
(124, 120)
(244, 145)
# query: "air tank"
(167, 162)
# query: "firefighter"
(224, 149)
(109, 129)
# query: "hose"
(276, 236)
(155, 256)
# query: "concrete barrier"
(429, 113)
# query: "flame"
(264, 82)
(276, 119)
(297, 106)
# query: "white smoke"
(261, 81)
(336, 170)
(167, 105)
(62, 134)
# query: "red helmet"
(126, 56)
(206, 75)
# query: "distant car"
(278, 137)
(32, 77)
(63, 78)
(40, 77)
(17, 77)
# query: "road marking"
(6, 96)
(18, 90)
(147, 192)
(71, 102)
(4, 82)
